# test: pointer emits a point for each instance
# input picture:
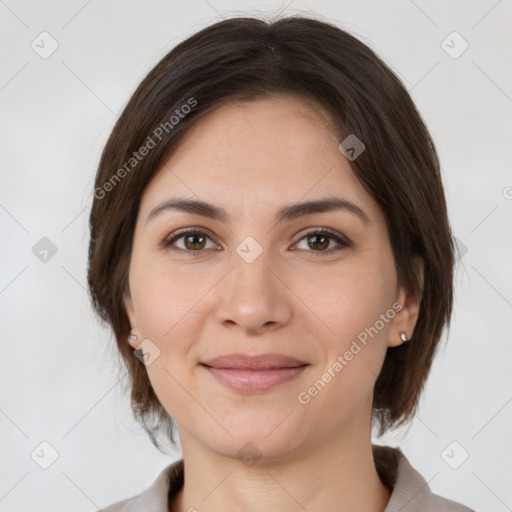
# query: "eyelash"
(333, 235)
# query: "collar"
(409, 490)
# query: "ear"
(130, 311)
(407, 316)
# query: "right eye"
(193, 241)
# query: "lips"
(258, 362)
(254, 374)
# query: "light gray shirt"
(409, 490)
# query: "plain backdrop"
(67, 69)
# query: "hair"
(244, 59)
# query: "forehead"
(262, 153)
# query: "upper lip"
(254, 362)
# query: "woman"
(270, 245)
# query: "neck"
(335, 475)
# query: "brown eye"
(189, 241)
(194, 242)
(318, 241)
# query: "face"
(256, 274)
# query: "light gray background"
(59, 376)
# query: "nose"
(254, 297)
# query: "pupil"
(193, 245)
(321, 245)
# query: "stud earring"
(131, 336)
(403, 337)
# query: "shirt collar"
(409, 490)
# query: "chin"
(254, 443)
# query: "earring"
(131, 336)
(403, 337)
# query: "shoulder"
(117, 507)
(446, 505)
(409, 490)
(156, 496)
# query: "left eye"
(319, 241)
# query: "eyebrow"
(286, 213)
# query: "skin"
(251, 159)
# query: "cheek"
(350, 299)
(163, 297)
(355, 347)
(355, 304)
(166, 308)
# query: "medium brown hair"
(250, 58)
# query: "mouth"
(253, 374)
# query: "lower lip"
(253, 381)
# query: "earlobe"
(403, 324)
(133, 338)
